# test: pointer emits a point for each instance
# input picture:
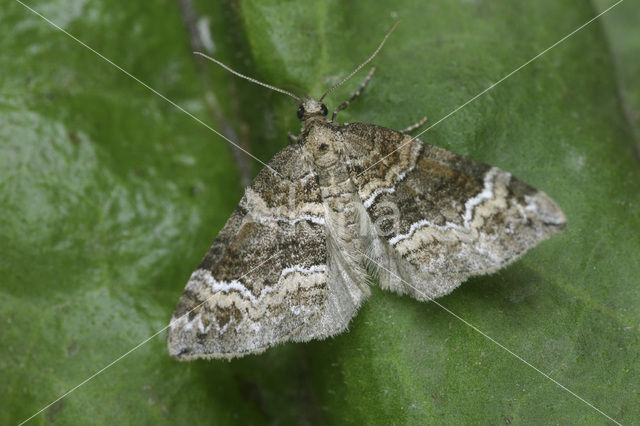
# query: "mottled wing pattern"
(264, 279)
(441, 217)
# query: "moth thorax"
(319, 144)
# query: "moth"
(343, 203)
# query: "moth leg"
(346, 103)
(414, 126)
(292, 138)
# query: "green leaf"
(110, 196)
(625, 45)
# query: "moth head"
(310, 108)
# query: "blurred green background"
(110, 196)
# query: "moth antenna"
(362, 64)
(253, 80)
(299, 89)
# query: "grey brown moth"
(291, 263)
